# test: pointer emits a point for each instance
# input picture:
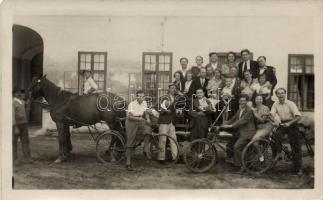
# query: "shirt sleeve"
(93, 84)
(129, 108)
(273, 110)
(294, 109)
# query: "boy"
(20, 127)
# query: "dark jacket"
(271, 76)
(197, 84)
(254, 68)
(245, 124)
(169, 115)
(180, 85)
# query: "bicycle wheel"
(200, 156)
(110, 147)
(258, 157)
(171, 151)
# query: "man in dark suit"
(201, 81)
(243, 123)
(248, 64)
(269, 71)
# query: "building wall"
(125, 38)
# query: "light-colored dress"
(214, 84)
(263, 128)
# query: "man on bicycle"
(243, 122)
(137, 125)
(289, 115)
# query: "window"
(157, 73)
(97, 63)
(134, 84)
(222, 57)
(71, 81)
(301, 81)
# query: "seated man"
(289, 115)
(89, 85)
(199, 113)
(137, 126)
(243, 123)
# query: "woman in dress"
(246, 86)
(263, 87)
(215, 83)
(231, 62)
(179, 82)
(261, 113)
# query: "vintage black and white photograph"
(158, 100)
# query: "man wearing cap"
(89, 85)
(20, 127)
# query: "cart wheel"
(258, 157)
(110, 147)
(200, 156)
(171, 151)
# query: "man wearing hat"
(20, 127)
(89, 85)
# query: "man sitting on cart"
(243, 125)
(137, 126)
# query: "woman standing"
(179, 82)
(231, 62)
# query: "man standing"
(248, 64)
(243, 121)
(201, 81)
(199, 64)
(214, 61)
(137, 126)
(289, 115)
(20, 127)
(166, 123)
(269, 71)
(184, 62)
(89, 85)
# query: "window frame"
(302, 75)
(157, 72)
(104, 71)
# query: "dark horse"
(68, 109)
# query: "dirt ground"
(83, 171)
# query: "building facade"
(115, 47)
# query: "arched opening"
(27, 62)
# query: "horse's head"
(35, 86)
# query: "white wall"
(125, 38)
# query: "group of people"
(244, 89)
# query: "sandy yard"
(83, 171)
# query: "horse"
(68, 109)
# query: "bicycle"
(110, 146)
(259, 155)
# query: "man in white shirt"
(288, 115)
(137, 125)
(89, 85)
(213, 61)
